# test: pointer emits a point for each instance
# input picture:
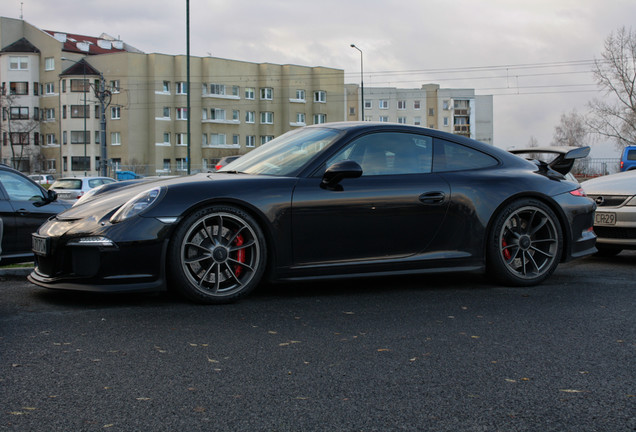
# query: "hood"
(623, 183)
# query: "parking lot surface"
(439, 353)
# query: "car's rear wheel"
(218, 255)
(525, 243)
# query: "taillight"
(578, 192)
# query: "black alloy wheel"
(218, 255)
(525, 243)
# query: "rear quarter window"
(450, 156)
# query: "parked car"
(324, 201)
(42, 178)
(615, 218)
(225, 160)
(24, 206)
(628, 158)
(72, 188)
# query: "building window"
(115, 138)
(236, 115)
(97, 137)
(402, 120)
(267, 93)
(98, 110)
(49, 63)
(182, 113)
(217, 139)
(383, 119)
(250, 117)
(320, 96)
(204, 140)
(249, 93)
(36, 87)
(300, 95)
(250, 141)
(204, 89)
(320, 118)
(416, 104)
(166, 138)
(166, 86)
(384, 104)
(19, 88)
(236, 91)
(18, 63)
(431, 112)
(368, 104)
(166, 164)
(77, 85)
(181, 164)
(217, 114)
(50, 139)
(50, 114)
(182, 139)
(204, 114)
(445, 121)
(80, 137)
(114, 86)
(300, 118)
(236, 139)
(182, 87)
(401, 105)
(50, 164)
(266, 138)
(19, 138)
(115, 113)
(19, 113)
(217, 89)
(417, 121)
(166, 112)
(77, 111)
(80, 163)
(267, 117)
(352, 111)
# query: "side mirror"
(51, 195)
(339, 171)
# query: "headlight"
(136, 205)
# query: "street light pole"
(361, 83)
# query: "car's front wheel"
(525, 243)
(217, 255)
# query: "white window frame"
(320, 96)
(383, 104)
(182, 113)
(250, 93)
(267, 93)
(250, 117)
(320, 118)
(267, 117)
(49, 63)
(181, 88)
(401, 105)
(217, 89)
(250, 141)
(181, 139)
(115, 113)
(18, 63)
(115, 138)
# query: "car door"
(392, 211)
(24, 208)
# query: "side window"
(450, 156)
(389, 153)
(19, 188)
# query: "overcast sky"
(534, 56)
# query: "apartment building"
(67, 81)
(457, 111)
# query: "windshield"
(285, 154)
(67, 184)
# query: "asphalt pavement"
(428, 353)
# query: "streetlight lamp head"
(353, 45)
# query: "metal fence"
(595, 167)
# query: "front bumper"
(135, 262)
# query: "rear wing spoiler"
(565, 156)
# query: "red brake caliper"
(506, 252)
(240, 255)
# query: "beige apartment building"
(57, 85)
(456, 111)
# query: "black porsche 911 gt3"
(326, 201)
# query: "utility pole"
(104, 97)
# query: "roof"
(21, 46)
(90, 45)
(81, 67)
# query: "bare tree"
(18, 126)
(616, 74)
(571, 131)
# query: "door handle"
(432, 198)
(23, 212)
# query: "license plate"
(604, 218)
(40, 245)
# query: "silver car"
(615, 217)
(72, 188)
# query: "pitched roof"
(21, 46)
(81, 67)
(90, 45)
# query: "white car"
(615, 217)
(42, 178)
(72, 188)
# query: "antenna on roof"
(21, 12)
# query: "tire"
(217, 255)
(525, 243)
